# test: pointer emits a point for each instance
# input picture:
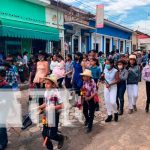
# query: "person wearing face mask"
(42, 70)
(146, 77)
(121, 86)
(59, 70)
(111, 77)
(132, 83)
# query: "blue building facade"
(111, 37)
(85, 37)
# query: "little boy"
(53, 101)
(88, 99)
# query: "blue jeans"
(121, 88)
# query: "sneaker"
(116, 117)
(147, 108)
(120, 113)
(130, 111)
(88, 130)
(109, 119)
(134, 107)
(86, 123)
(61, 143)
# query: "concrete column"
(112, 43)
(79, 43)
(72, 44)
(103, 44)
(119, 45)
(125, 49)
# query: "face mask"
(108, 67)
(120, 67)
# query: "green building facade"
(23, 27)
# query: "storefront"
(20, 31)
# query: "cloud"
(121, 6)
(142, 25)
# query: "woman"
(146, 77)
(85, 62)
(42, 70)
(54, 63)
(132, 83)
(110, 90)
(32, 69)
(59, 70)
(77, 70)
(121, 86)
(68, 71)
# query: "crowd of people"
(83, 73)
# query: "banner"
(100, 16)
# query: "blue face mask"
(108, 67)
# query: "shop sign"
(99, 16)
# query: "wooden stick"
(45, 141)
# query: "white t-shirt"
(52, 97)
(25, 60)
(110, 75)
(53, 65)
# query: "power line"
(93, 10)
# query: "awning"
(19, 29)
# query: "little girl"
(53, 101)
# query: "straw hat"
(86, 72)
(52, 78)
(132, 57)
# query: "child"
(96, 72)
(52, 98)
(88, 99)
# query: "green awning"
(19, 29)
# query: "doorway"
(107, 46)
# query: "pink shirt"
(41, 71)
(146, 73)
(59, 70)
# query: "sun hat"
(52, 78)
(132, 57)
(86, 72)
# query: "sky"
(134, 14)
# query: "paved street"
(131, 133)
